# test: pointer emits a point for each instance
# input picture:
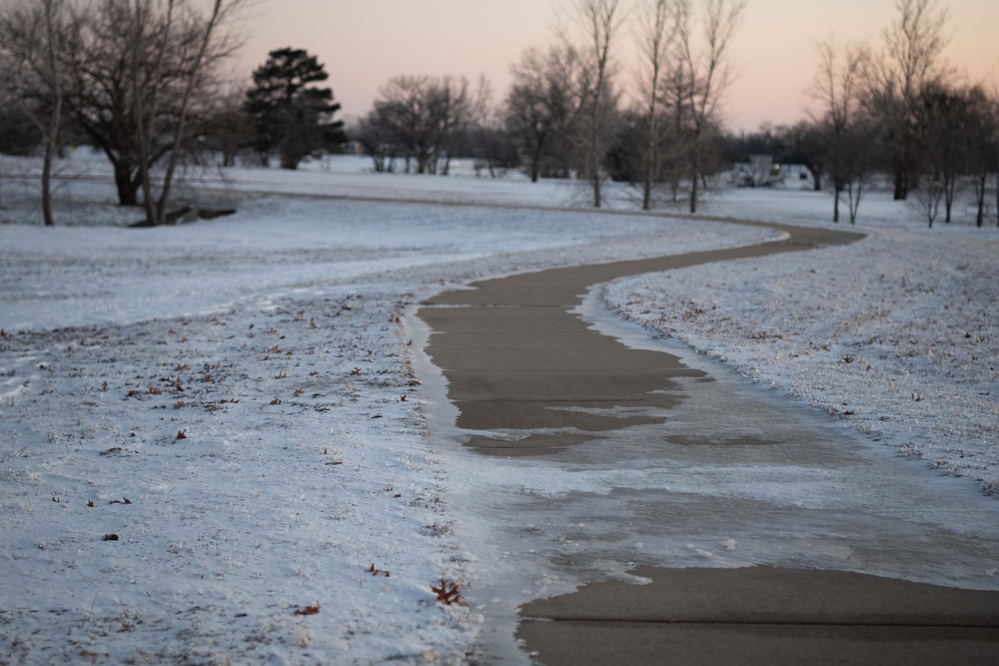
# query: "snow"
(244, 402)
(897, 335)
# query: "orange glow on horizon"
(363, 44)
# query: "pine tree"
(292, 115)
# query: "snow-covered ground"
(236, 401)
(897, 334)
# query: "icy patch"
(896, 335)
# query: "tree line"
(564, 114)
(141, 80)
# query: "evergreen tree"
(292, 115)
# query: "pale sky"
(363, 43)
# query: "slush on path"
(530, 377)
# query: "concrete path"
(517, 361)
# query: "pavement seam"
(775, 623)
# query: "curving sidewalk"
(521, 365)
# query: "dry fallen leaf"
(445, 595)
(308, 610)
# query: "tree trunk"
(128, 189)
(950, 190)
(693, 193)
(651, 158)
(535, 165)
(695, 171)
(980, 183)
(816, 177)
(47, 216)
(837, 188)
(901, 184)
(595, 181)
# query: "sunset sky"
(363, 43)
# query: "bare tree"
(945, 131)
(705, 72)
(600, 21)
(544, 104)
(32, 37)
(378, 140)
(983, 146)
(909, 60)
(150, 35)
(837, 89)
(453, 109)
(485, 139)
(656, 32)
(859, 160)
(151, 47)
(807, 145)
(676, 91)
(423, 115)
(982, 139)
(102, 64)
(227, 124)
(929, 196)
(992, 157)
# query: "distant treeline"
(142, 80)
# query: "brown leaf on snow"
(377, 572)
(180, 435)
(90, 503)
(309, 610)
(446, 595)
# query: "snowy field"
(216, 446)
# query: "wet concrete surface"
(708, 473)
